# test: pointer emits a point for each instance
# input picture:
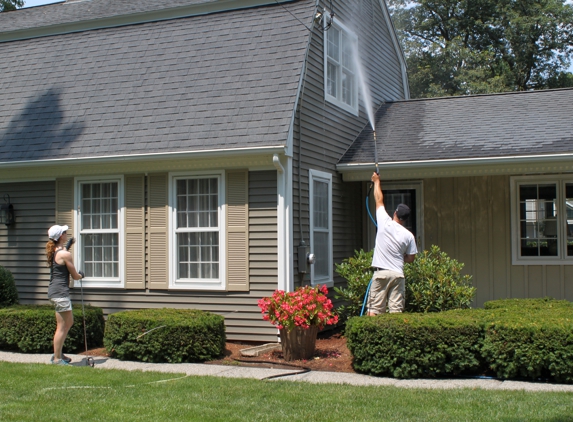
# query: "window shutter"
(157, 229)
(65, 204)
(237, 231)
(135, 232)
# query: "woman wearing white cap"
(61, 267)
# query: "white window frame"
(561, 258)
(337, 100)
(197, 284)
(325, 178)
(104, 282)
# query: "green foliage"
(530, 338)
(165, 335)
(466, 47)
(8, 292)
(358, 272)
(9, 5)
(416, 345)
(31, 328)
(434, 283)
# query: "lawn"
(33, 392)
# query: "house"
(490, 180)
(191, 146)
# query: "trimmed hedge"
(8, 292)
(416, 345)
(165, 335)
(531, 338)
(31, 328)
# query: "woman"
(61, 267)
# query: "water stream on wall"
(366, 97)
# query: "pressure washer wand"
(376, 154)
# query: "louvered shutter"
(237, 231)
(135, 232)
(65, 204)
(157, 232)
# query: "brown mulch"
(331, 354)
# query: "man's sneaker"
(64, 357)
(60, 362)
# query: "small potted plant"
(299, 315)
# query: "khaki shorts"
(388, 290)
(62, 304)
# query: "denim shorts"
(62, 304)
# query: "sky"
(30, 3)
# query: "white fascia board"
(136, 18)
(461, 167)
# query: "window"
(321, 226)
(542, 211)
(341, 84)
(99, 222)
(198, 235)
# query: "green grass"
(33, 392)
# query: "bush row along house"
(199, 151)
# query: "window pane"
(538, 220)
(569, 217)
(348, 88)
(101, 255)
(321, 250)
(331, 79)
(347, 56)
(333, 42)
(198, 255)
(320, 204)
(197, 203)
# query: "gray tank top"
(59, 280)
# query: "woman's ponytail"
(50, 250)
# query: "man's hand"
(375, 177)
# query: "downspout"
(282, 244)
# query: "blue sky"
(30, 3)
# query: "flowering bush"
(304, 307)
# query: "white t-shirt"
(393, 241)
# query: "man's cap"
(56, 232)
(403, 212)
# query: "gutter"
(461, 166)
(271, 150)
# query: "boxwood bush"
(165, 335)
(31, 328)
(514, 338)
(8, 292)
(412, 345)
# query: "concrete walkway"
(316, 377)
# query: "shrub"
(8, 291)
(30, 329)
(434, 283)
(531, 341)
(538, 303)
(165, 335)
(416, 345)
(358, 272)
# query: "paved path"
(317, 377)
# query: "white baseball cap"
(56, 232)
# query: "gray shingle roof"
(214, 81)
(482, 126)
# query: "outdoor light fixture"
(7, 212)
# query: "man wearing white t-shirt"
(394, 246)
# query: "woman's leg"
(64, 321)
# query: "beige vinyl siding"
(157, 236)
(135, 231)
(470, 219)
(237, 231)
(22, 245)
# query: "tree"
(462, 47)
(8, 5)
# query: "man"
(394, 246)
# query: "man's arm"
(378, 195)
(409, 258)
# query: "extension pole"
(375, 153)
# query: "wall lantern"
(7, 212)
